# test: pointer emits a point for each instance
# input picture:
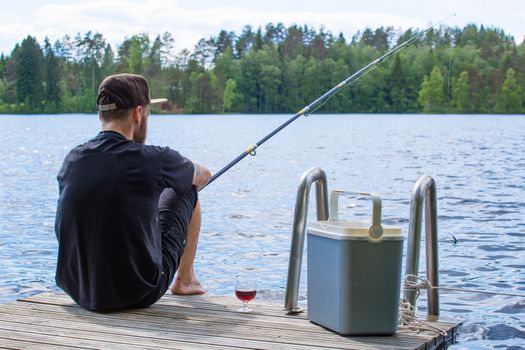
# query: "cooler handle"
(375, 231)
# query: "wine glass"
(245, 290)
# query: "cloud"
(117, 19)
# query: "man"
(128, 214)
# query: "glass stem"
(244, 305)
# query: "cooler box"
(354, 273)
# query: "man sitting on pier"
(128, 215)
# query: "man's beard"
(139, 134)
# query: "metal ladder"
(424, 191)
(318, 176)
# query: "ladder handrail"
(424, 192)
(318, 176)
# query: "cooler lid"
(352, 230)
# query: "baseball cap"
(122, 91)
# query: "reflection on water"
(477, 162)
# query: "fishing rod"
(320, 101)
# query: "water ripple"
(248, 212)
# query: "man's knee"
(197, 208)
(196, 214)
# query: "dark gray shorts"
(175, 211)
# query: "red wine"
(245, 295)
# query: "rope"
(407, 312)
(415, 283)
(408, 320)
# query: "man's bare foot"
(183, 287)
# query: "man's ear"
(137, 114)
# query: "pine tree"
(29, 73)
(91, 49)
(153, 62)
(397, 84)
(108, 62)
(3, 64)
(52, 74)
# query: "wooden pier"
(53, 321)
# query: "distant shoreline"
(280, 113)
(473, 70)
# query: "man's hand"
(201, 175)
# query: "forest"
(276, 69)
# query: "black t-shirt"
(109, 253)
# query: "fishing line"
(320, 101)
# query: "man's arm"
(201, 175)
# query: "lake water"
(478, 163)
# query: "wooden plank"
(31, 316)
(96, 338)
(197, 303)
(229, 305)
(228, 316)
(20, 344)
(210, 302)
(52, 339)
(254, 334)
(423, 337)
(218, 303)
(164, 339)
(308, 332)
(189, 322)
(201, 314)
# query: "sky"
(191, 20)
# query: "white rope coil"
(408, 320)
(407, 312)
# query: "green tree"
(203, 98)
(277, 69)
(3, 80)
(432, 92)
(132, 54)
(9, 95)
(461, 100)
(52, 78)
(244, 41)
(510, 98)
(3, 65)
(29, 75)
(108, 62)
(259, 87)
(274, 34)
(167, 44)
(204, 52)
(229, 95)
(138, 49)
(293, 44)
(295, 84)
(397, 82)
(224, 43)
(91, 50)
(153, 62)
